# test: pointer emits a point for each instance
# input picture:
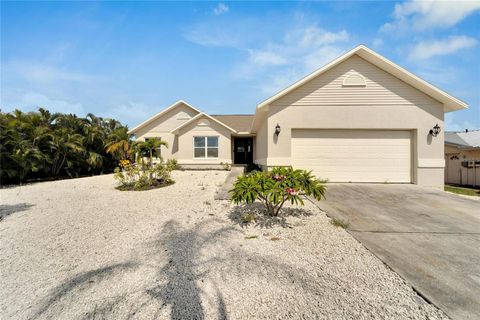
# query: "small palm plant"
(276, 187)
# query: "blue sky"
(128, 60)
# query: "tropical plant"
(39, 145)
(276, 187)
(132, 177)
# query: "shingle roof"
(239, 122)
(468, 139)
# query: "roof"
(198, 116)
(239, 122)
(464, 139)
(450, 103)
(158, 115)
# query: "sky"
(128, 60)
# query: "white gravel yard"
(80, 249)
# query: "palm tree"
(149, 148)
(119, 143)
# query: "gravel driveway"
(79, 249)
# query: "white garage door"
(354, 155)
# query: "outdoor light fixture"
(277, 129)
(435, 131)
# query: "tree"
(118, 144)
(276, 187)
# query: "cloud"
(452, 124)
(428, 49)
(266, 57)
(429, 14)
(130, 113)
(43, 73)
(221, 8)
(302, 49)
(32, 101)
(218, 36)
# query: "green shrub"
(226, 166)
(276, 187)
(132, 177)
(173, 164)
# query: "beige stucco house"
(360, 118)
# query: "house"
(462, 157)
(360, 118)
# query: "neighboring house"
(462, 157)
(360, 118)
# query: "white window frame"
(206, 147)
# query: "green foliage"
(173, 164)
(276, 187)
(248, 217)
(340, 223)
(40, 145)
(226, 166)
(130, 176)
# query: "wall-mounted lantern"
(435, 131)
(277, 129)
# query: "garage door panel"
(354, 155)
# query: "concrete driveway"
(430, 237)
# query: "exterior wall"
(162, 126)
(183, 144)
(261, 145)
(385, 103)
(454, 172)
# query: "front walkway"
(222, 192)
(430, 237)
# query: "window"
(205, 147)
(158, 153)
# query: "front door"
(242, 150)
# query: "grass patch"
(461, 190)
(340, 223)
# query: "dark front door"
(242, 150)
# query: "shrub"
(226, 166)
(173, 164)
(132, 177)
(276, 187)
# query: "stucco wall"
(183, 143)
(385, 103)
(162, 126)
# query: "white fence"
(466, 174)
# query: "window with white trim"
(205, 147)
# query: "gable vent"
(354, 80)
(204, 122)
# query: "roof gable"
(161, 113)
(450, 103)
(198, 117)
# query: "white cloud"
(34, 100)
(427, 49)
(305, 48)
(221, 8)
(130, 113)
(204, 35)
(42, 73)
(451, 124)
(428, 14)
(377, 43)
(266, 57)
